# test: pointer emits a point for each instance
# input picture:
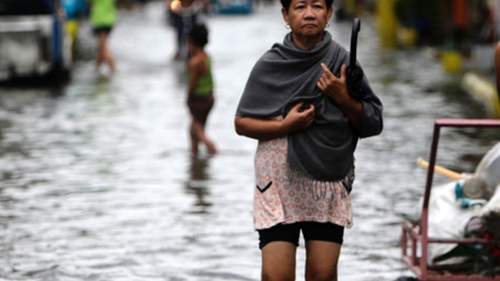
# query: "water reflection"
(197, 185)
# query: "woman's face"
(307, 18)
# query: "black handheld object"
(354, 72)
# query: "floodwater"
(96, 181)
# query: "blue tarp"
(74, 8)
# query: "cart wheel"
(406, 278)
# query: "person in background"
(200, 98)
(296, 103)
(182, 15)
(103, 14)
(74, 10)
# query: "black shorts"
(102, 29)
(200, 106)
(311, 230)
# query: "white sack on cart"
(448, 218)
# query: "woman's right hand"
(298, 118)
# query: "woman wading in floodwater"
(297, 105)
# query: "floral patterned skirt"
(285, 195)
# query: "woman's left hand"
(332, 86)
(336, 88)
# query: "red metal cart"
(416, 235)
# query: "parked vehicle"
(33, 39)
(233, 6)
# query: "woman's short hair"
(286, 3)
(199, 35)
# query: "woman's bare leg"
(278, 261)
(321, 260)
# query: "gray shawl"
(286, 75)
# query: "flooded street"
(96, 180)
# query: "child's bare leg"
(104, 53)
(194, 139)
(100, 49)
(200, 132)
(108, 57)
